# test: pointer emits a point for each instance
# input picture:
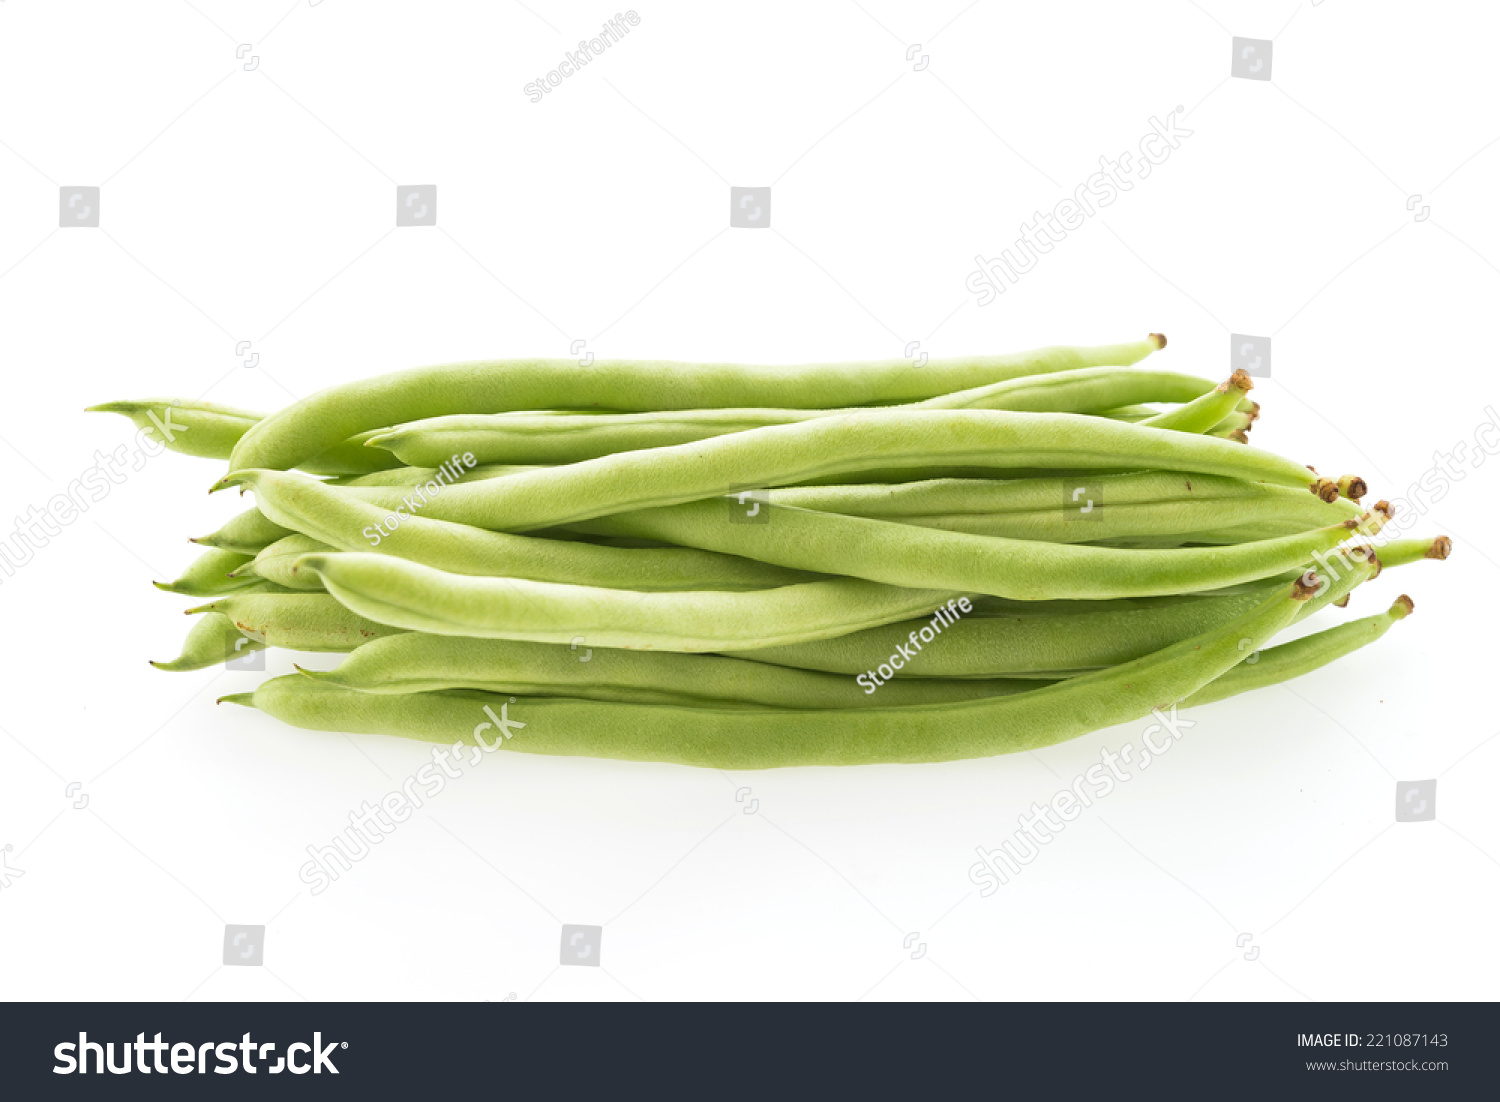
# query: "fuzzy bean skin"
(343, 520)
(572, 438)
(297, 621)
(417, 662)
(785, 454)
(1301, 656)
(304, 429)
(1022, 570)
(249, 533)
(212, 639)
(1203, 413)
(208, 575)
(407, 595)
(731, 739)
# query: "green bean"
(1168, 489)
(213, 639)
(1145, 503)
(275, 563)
(1282, 663)
(1134, 414)
(407, 477)
(1237, 421)
(730, 739)
(571, 438)
(784, 454)
(297, 621)
(1057, 638)
(192, 427)
(417, 662)
(305, 428)
(247, 533)
(1016, 644)
(1025, 570)
(208, 575)
(1205, 412)
(408, 595)
(210, 431)
(340, 519)
(1401, 552)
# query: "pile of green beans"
(746, 566)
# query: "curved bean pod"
(275, 563)
(417, 662)
(212, 639)
(1282, 663)
(408, 595)
(209, 575)
(1016, 644)
(1204, 413)
(206, 430)
(248, 533)
(785, 454)
(1022, 570)
(1169, 489)
(572, 438)
(339, 518)
(297, 621)
(304, 429)
(210, 431)
(731, 739)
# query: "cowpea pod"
(331, 416)
(208, 430)
(418, 662)
(212, 639)
(1023, 570)
(297, 621)
(738, 739)
(340, 519)
(408, 595)
(573, 437)
(785, 454)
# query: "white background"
(259, 205)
